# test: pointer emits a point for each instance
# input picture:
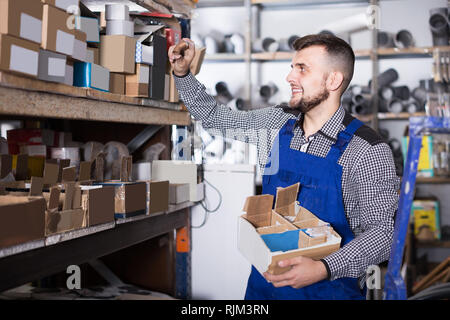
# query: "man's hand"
(181, 62)
(304, 271)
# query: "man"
(345, 169)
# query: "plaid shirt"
(369, 181)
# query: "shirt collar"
(331, 128)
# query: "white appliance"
(218, 270)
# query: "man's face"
(308, 78)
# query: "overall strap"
(344, 137)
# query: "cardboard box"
(117, 12)
(142, 171)
(52, 66)
(22, 19)
(91, 27)
(268, 236)
(167, 88)
(63, 4)
(425, 214)
(23, 219)
(5, 165)
(173, 92)
(91, 75)
(177, 171)
(120, 27)
(56, 35)
(197, 62)
(173, 37)
(144, 53)
(68, 79)
(425, 165)
(136, 85)
(130, 198)
(71, 217)
(19, 56)
(79, 46)
(117, 83)
(98, 203)
(158, 196)
(178, 193)
(117, 53)
(93, 55)
(38, 150)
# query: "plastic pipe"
(385, 39)
(386, 93)
(402, 92)
(404, 39)
(395, 106)
(386, 78)
(287, 44)
(239, 44)
(345, 25)
(222, 90)
(439, 26)
(268, 90)
(265, 45)
(420, 95)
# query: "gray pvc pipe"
(412, 107)
(438, 22)
(420, 95)
(386, 78)
(287, 44)
(222, 90)
(395, 106)
(404, 39)
(268, 90)
(402, 92)
(385, 39)
(265, 45)
(386, 93)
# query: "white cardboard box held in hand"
(287, 215)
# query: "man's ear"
(335, 80)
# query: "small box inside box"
(268, 236)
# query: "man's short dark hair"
(336, 48)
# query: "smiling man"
(345, 169)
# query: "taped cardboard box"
(79, 46)
(157, 196)
(22, 219)
(91, 75)
(52, 66)
(178, 193)
(93, 55)
(268, 236)
(129, 198)
(19, 56)
(91, 27)
(117, 83)
(56, 34)
(136, 85)
(117, 53)
(98, 203)
(22, 19)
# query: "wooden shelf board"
(433, 180)
(398, 116)
(224, 57)
(22, 96)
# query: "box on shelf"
(144, 53)
(268, 236)
(68, 78)
(120, 27)
(98, 203)
(91, 27)
(21, 18)
(27, 137)
(19, 56)
(63, 4)
(167, 87)
(117, 83)
(56, 35)
(136, 85)
(23, 219)
(178, 193)
(117, 53)
(425, 214)
(142, 171)
(173, 37)
(158, 69)
(5, 165)
(157, 196)
(79, 46)
(425, 165)
(93, 55)
(130, 198)
(91, 75)
(173, 92)
(71, 217)
(52, 66)
(197, 62)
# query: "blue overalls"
(321, 193)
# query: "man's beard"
(305, 105)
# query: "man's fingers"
(288, 275)
(290, 262)
(282, 283)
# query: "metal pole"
(375, 66)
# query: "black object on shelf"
(439, 26)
